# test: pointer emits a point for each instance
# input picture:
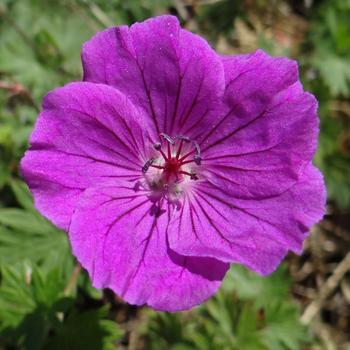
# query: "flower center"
(177, 159)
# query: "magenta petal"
(86, 134)
(173, 74)
(119, 236)
(254, 232)
(268, 130)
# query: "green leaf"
(31, 299)
(87, 330)
(247, 335)
(50, 249)
(22, 194)
(249, 312)
(24, 221)
(283, 329)
(25, 234)
(335, 71)
(249, 285)
(164, 330)
(24, 288)
(16, 299)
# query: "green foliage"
(25, 289)
(213, 23)
(248, 313)
(327, 68)
(85, 330)
(37, 315)
(25, 234)
(49, 54)
(36, 266)
(331, 40)
(15, 127)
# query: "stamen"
(197, 147)
(178, 152)
(168, 138)
(157, 166)
(192, 175)
(182, 140)
(169, 151)
(147, 165)
(188, 161)
(163, 154)
(172, 163)
(157, 146)
(197, 159)
(170, 142)
(186, 156)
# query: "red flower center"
(172, 160)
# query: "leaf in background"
(329, 65)
(283, 329)
(335, 71)
(32, 304)
(87, 330)
(25, 288)
(47, 51)
(37, 46)
(22, 194)
(35, 314)
(25, 234)
(15, 127)
(15, 294)
(247, 329)
(250, 286)
(165, 331)
(217, 18)
(249, 312)
(330, 37)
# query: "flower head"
(169, 162)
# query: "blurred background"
(46, 300)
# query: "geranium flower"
(170, 161)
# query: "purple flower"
(169, 162)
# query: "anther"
(172, 165)
(157, 146)
(147, 165)
(197, 159)
(198, 150)
(167, 138)
(192, 175)
(184, 138)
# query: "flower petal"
(268, 130)
(256, 233)
(86, 134)
(173, 74)
(119, 235)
